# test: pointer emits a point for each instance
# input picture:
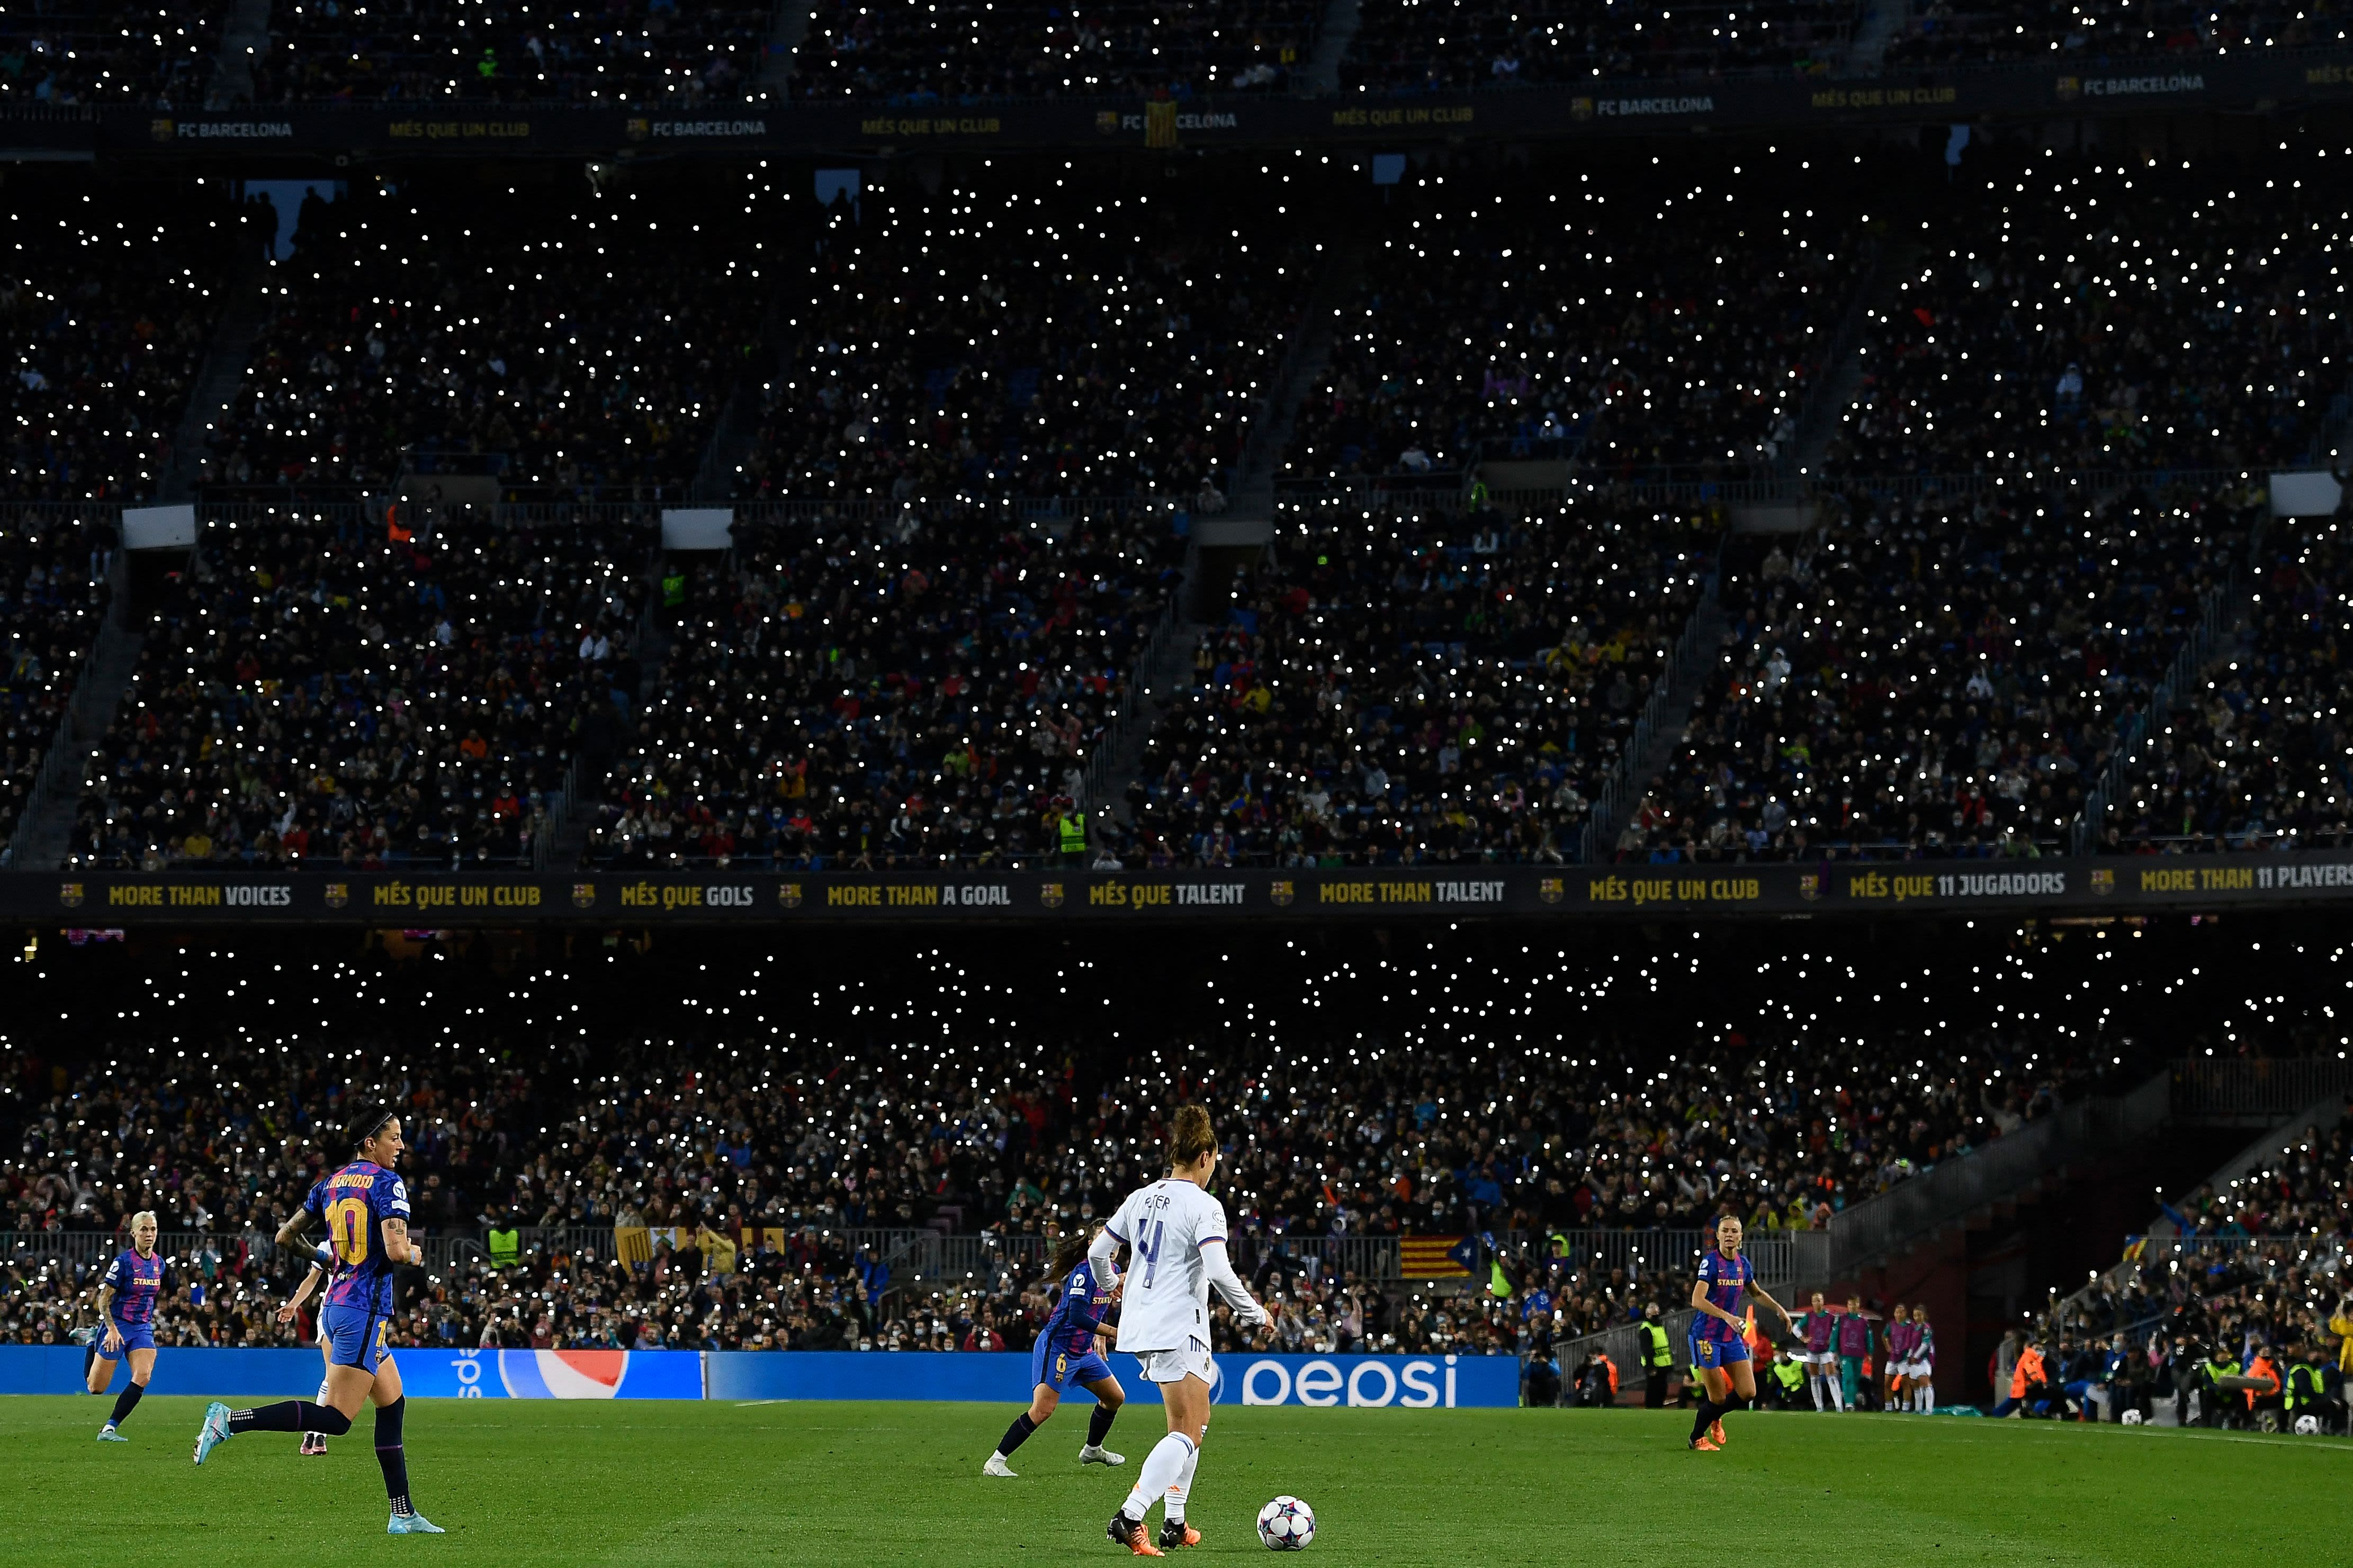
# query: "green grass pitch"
(647, 1485)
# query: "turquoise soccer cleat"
(213, 1432)
(109, 1434)
(413, 1524)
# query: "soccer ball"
(2132, 1419)
(1286, 1524)
(2308, 1425)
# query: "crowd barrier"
(1374, 1382)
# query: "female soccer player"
(366, 1210)
(1175, 1233)
(1920, 1376)
(1068, 1351)
(1718, 1347)
(1819, 1356)
(126, 1304)
(323, 1267)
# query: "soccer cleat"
(107, 1434)
(313, 1444)
(1715, 1433)
(996, 1466)
(1129, 1532)
(1175, 1533)
(1702, 1446)
(213, 1432)
(83, 1336)
(1094, 1453)
(413, 1524)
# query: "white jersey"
(1166, 1303)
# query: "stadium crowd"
(917, 694)
(643, 53)
(336, 699)
(1940, 678)
(64, 53)
(982, 48)
(2236, 1308)
(2251, 755)
(1410, 46)
(1397, 690)
(401, 351)
(2206, 332)
(1510, 322)
(1004, 341)
(1972, 32)
(789, 1121)
(107, 320)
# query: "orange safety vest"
(2262, 1369)
(2028, 1369)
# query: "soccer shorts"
(1718, 1352)
(354, 1336)
(1823, 1358)
(136, 1337)
(1058, 1366)
(1176, 1366)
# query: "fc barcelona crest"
(2104, 882)
(1809, 886)
(338, 894)
(1281, 893)
(789, 895)
(584, 895)
(1051, 895)
(1550, 889)
(70, 895)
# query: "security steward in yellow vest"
(1658, 1359)
(1073, 828)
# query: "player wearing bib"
(322, 1268)
(366, 1210)
(1899, 1355)
(1920, 1377)
(1819, 1330)
(1069, 1351)
(135, 1282)
(1176, 1236)
(1719, 1347)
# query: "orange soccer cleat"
(1715, 1433)
(1129, 1532)
(1177, 1533)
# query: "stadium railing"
(2269, 1088)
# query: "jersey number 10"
(347, 1224)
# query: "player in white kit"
(1176, 1236)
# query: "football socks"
(1098, 1424)
(391, 1456)
(1161, 1466)
(125, 1403)
(291, 1415)
(1016, 1434)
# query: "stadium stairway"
(217, 379)
(245, 35)
(738, 425)
(1332, 36)
(790, 25)
(1842, 381)
(1700, 650)
(49, 811)
(1305, 356)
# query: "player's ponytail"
(1189, 1136)
(1070, 1251)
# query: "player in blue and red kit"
(366, 1210)
(1069, 1351)
(1719, 1342)
(135, 1282)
